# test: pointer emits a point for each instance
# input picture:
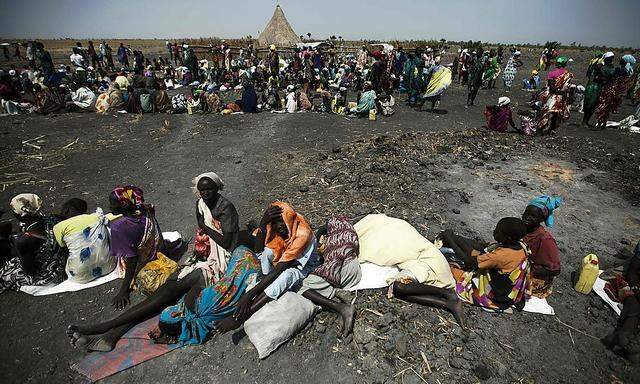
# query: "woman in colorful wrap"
(555, 106)
(439, 81)
(288, 253)
(492, 71)
(511, 69)
(217, 235)
(493, 276)
(38, 260)
(625, 288)
(196, 314)
(500, 116)
(600, 72)
(198, 299)
(367, 101)
(544, 258)
(614, 90)
(136, 242)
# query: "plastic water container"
(588, 274)
(372, 114)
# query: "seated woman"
(38, 261)
(544, 258)
(501, 268)
(288, 252)
(366, 102)
(218, 227)
(136, 243)
(85, 239)
(219, 213)
(500, 116)
(116, 98)
(626, 289)
(249, 101)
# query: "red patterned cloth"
(340, 247)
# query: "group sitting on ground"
(233, 273)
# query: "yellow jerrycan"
(588, 273)
(372, 114)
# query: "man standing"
(123, 57)
(170, 49)
(95, 60)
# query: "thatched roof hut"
(278, 32)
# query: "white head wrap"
(608, 54)
(26, 204)
(212, 175)
(502, 101)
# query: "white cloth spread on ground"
(598, 288)
(67, 286)
(538, 305)
(374, 276)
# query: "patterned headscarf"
(26, 204)
(130, 197)
(547, 204)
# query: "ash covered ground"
(434, 170)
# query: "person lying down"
(425, 276)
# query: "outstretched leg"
(432, 297)
(169, 293)
(346, 311)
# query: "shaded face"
(280, 228)
(532, 216)
(116, 207)
(499, 236)
(208, 189)
(608, 60)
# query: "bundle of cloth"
(387, 241)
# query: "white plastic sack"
(278, 321)
(89, 253)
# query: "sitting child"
(494, 276)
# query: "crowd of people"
(234, 272)
(309, 79)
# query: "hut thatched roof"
(278, 32)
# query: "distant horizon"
(586, 22)
(172, 39)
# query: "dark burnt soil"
(433, 170)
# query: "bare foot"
(348, 315)
(227, 324)
(94, 343)
(84, 330)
